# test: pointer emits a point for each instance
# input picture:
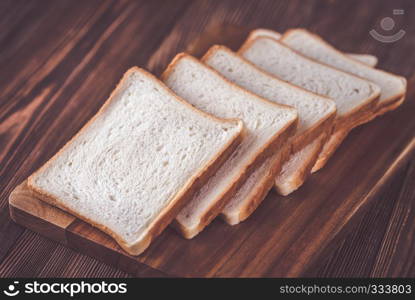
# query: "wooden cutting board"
(284, 235)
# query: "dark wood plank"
(89, 46)
(364, 250)
(339, 22)
(396, 257)
(286, 234)
(296, 217)
(51, 261)
(62, 227)
(294, 16)
(15, 94)
(57, 70)
(79, 266)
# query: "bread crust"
(265, 151)
(329, 148)
(180, 198)
(392, 106)
(258, 194)
(304, 171)
(268, 33)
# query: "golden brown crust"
(357, 114)
(386, 105)
(393, 104)
(259, 193)
(304, 171)
(189, 233)
(360, 115)
(281, 151)
(266, 150)
(329, 148)
(175, 204)
(315, 132)
(269, 33)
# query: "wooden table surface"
(60, 59)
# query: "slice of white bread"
(337, 138)
(135, 164)
(315, 112)
(354, 96)
(268, 126)
(367, 59)
(393, 87)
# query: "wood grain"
(60, 61)
(287, 246)
(57, 86)
(284, 236)
(356, 253)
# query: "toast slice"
(315, 112)
(393, 87)
(367, 59)
(268, 125)
(354, 96)
(137, 162)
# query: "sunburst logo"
(12, 290)
(387, 24)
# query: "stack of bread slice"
(214, 135)
(393, 87)
(268, 126)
